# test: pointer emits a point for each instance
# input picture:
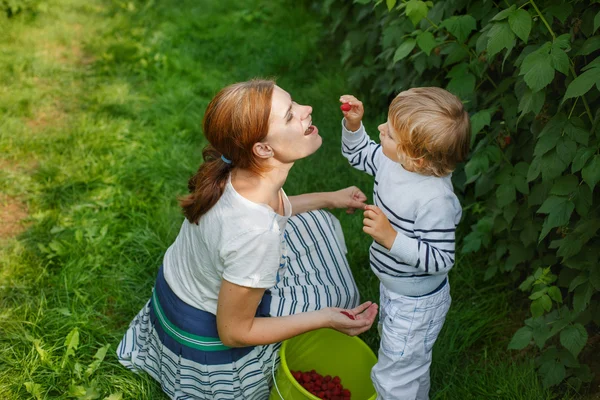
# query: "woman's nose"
(307, 111)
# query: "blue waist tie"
(190, 332)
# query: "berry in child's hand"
(347, 314)
(346, 107)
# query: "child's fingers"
(348, 98)
(373, 208)
(369, 222)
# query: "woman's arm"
(350, 198)
(238, 326)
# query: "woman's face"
(291, 135)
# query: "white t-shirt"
(236, 240)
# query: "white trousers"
(409, 326)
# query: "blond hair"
(433, 130)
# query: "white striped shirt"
(423, 210)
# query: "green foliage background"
(529, 73)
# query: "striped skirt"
(178, 345)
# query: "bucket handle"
(273, 374)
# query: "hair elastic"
(225, 159)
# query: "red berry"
(306, 377)
(336, 379)
(327, 378)
(321, 395)
(346, 107)
(346, 393)
(507, 140)
(347, 314)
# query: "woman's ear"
(262, 150)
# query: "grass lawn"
(100, 110)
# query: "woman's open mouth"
(311, 129)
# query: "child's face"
(389, 141)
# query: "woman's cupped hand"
(342, 319)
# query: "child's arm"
(432, 249)
(362, 152)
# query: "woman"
(223, 300)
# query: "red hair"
(235, 119)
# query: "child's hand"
(378, 227)
(355, 114)
(350, 198)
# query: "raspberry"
(346, 107)
(507, 140)
(347, 314)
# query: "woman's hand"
(350, 198)
(378, 227)
(364, 315)
(355, 114)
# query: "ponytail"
(206, 186)
(235, 119)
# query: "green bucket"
(328, 352)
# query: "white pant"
(409, 326)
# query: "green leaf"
(563, 41)
(520, 23)
(566, 149)
(529, 234)
(577, 133)
(426, 42)
(581, 158)
(552, 165)
(500, 37)
(553, 373)
(574, 338)
(589, 46)
(547, 142)
(546, 302)
(555, 294)
(479, 120)
(99, 356)
(577, 281)
(596, 22)
(404, 49)
(537, 70)
(504, 13)
(583, 200)
(565, 185)
(505, 194)
(416, 10)
(582, 296)
(537, 308)
(490, 272)
(531, 101)
(591, 173)
(118, 395)
(583, 83)
(560, 11)
(460, 26)
(534, 169)
(462, 86)
(559, 210)
(390, 4)
(521, 338)
(72, 342)
(560, 59)
(35, 389)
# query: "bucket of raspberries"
(324, 364)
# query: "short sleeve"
(252, 259)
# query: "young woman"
(250, 266)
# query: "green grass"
(100, 110)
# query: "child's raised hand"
(354, 114)
(377, 225)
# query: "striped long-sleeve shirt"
(423, 210)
